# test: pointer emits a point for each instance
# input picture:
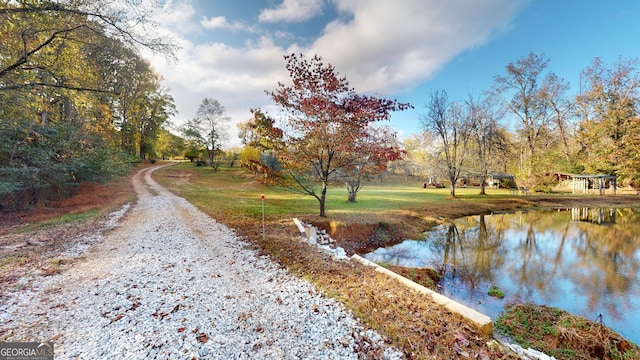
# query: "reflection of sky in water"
(583, 268)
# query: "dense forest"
(77, 102)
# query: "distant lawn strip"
(236, 191)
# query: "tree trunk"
(453, 187)
(352, 195)
(44, 117)
(323, 197)
(352, 188)
(482, 182)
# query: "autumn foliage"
(329, 130)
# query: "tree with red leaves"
(328, 132)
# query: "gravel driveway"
(166, 281)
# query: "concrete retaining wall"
(481, 321)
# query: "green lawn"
(233, 190)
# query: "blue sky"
(232, 50)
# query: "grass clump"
(80, 217)
(496, 292)
(563, 335)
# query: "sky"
(232, 51)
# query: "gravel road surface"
(163, 280)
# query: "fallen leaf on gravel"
(117, 317)
(160, 315)
(202, 337)
(175, 308)
(182, 329)
(259, 329)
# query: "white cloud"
(215, 22)
(380, 46)
(220, 22)
(386, 46)
(177, 16)
(293, 11)
(236, 77)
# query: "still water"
(585, 261)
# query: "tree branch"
(60, 86)
(114, 23)
(23, 59)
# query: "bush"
(508, 183)
(40, 164)
(543, 183)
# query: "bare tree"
(489, 140)
(520, 91)
(454, 128)
(553, 92)
(207, 128)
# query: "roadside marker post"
(262, 198)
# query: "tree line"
(77, 101)
(526, 124)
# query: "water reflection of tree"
(471, 250)
(547, 254)
(606, 266)
(537, 265)
(601, 262)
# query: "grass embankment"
(562, 335)
(384, 214)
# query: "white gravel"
(168, 282)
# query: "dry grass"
(563, 335)
(407, 319)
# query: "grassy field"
(385, 212)
(232, 192)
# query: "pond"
(585, 261)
